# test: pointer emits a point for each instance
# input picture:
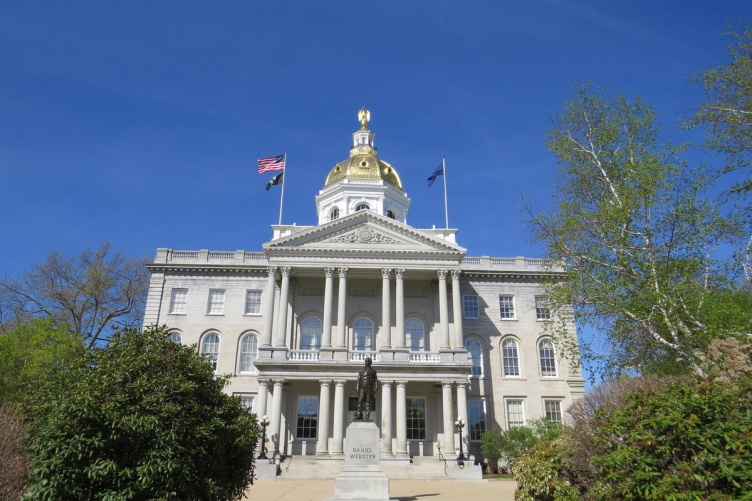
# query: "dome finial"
(364, 116)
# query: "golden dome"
(363, 163)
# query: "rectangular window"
(308, 416)
(178, 300)
(515, 413)
(476, 417)
(247, 401)
(216, 304)
(470, 306)
(506, 306)
(552, 410)
(542, 311)
(252, 302)
(416, 418)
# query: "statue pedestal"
(362, 478)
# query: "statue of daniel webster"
(368, 384)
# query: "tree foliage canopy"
(640, 241)
(31, 353)
(92, 292)
(143, 418)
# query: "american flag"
(270, 164)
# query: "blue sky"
(140, 122)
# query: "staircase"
(423, 467)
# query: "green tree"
(31, 353)
(509, 445)
(726, 117)
(142, 418)
(639, 240)
(92, 292)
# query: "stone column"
(399, 306)
(443, 313)
(326, 336)
(266, 340)
(279, 339)
(448, 415)
(339, 417)
(462, 413)
(341, 303)
(386, 314)
(459, 337)
(275, 420)
(401, 445)
(386, 418)
(322, 443)
(263, 393)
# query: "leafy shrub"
(143, 418)
(541, 473)
(692, 440)
(510, 444)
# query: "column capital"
(386, 272)
(343, 272)
(442, 274)
(272, 271)
(329, 272)
(399, 273)
(286, 270)
(447, 383)
(264, 381)
(340, 382)
(456, 274)
(325, 382)
(279, 381)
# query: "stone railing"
(424, 356)
(359, 356)
(503, 263)
(303, 355)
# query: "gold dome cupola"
(362, 182)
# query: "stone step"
(425, 468)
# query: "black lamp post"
(264, 423)
(460, 424)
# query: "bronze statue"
(368, 384)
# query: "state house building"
(451, 336)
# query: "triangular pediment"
(363, 232)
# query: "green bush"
(691, 441)
(510, 444)
(143, 418)
(541, 473)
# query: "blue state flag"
(438, 172)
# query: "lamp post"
(264, 423)
(460, 424)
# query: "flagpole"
(284, 182)
(446, 210)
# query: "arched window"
(475, 350)
(310, 334)
(363, 339)
(210, 349)
(248, 353)
(414, 334)
(390, 214)
(547, 357)
(334, 214)
(175, 337)
(362, 206)
(510, 357)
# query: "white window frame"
(409, 331)
(518, 411)
(542, 311)
(506, 367)
(215, 305)
(310, 419)
(247, 355)
(253, 298)
(248, 401)
(507, 310)
(413, 419)
(316, 345)
(178, 301)
(558, 411)
(549, 359)
(211, 356)
(356, 332)
(473, 358)
(333, 213)
(470, 308)
(175, 337)
(362, 206)
(474, 435)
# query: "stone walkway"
(402, 490)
